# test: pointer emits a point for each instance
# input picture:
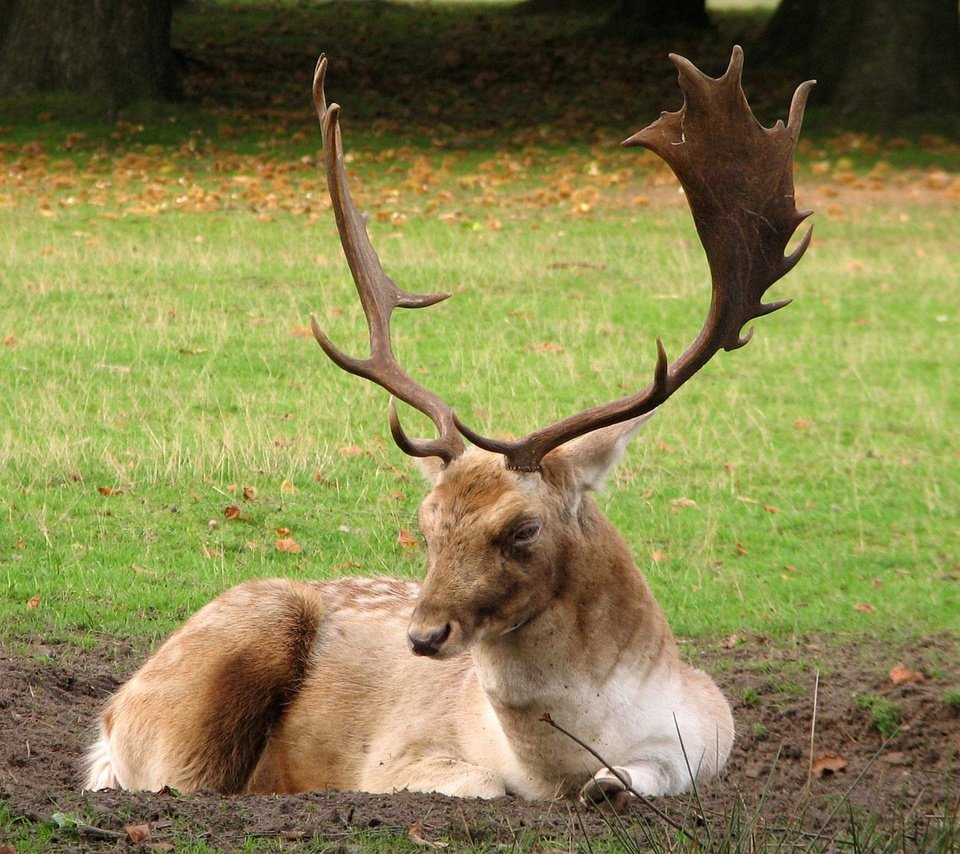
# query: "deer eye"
(522, 537)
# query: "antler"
(379, 296)
(738, 180)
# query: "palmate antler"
(738, 180)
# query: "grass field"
(157, 362)
(168, 426)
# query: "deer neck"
(603, 618)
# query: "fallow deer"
(532, 610)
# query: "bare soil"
(782, 693)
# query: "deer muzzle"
(429, 640)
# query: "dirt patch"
(50, 695)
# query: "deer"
(532, 610)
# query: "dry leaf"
(770, 508)
(740, 548)
(827, 764)
(109, 490)
(232, 512)
(249, 493)
(288, 545)
(730, 641)
(657, 556)
(10, 341)
(138, 833)
(864, 608)
(286, 486)
(33, 603)
(415, 833)
(679, 503)
(283, 532)
(406, 539)
(899, 675)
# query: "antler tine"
(379, 296)
(738, 181)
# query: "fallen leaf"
(110, 490)
(827, 764)
(249, 493)
(138, 833)
(283, 532)
(286, 486)
(288, 545)
(864, 608)
(10, 341)
(33, 603)
(681, 503)
(899, 675)
(232, 512)
(657, 556)
(406, 539)
(740, 548)
(770, 508)
(415, 833)
(730, 641)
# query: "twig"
(547, 719)
(813, 732)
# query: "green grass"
(160, 356)
(883, 714)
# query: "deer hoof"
(607, 790)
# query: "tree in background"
(885, 58)
(117, 50)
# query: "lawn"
(169, 427)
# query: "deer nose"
(429, 642)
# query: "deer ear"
(430, 468)
(595, 454)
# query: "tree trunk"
(118, 50)
(884, 58)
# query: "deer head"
(507, 522)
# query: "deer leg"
(442, 774)
(650, 777)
